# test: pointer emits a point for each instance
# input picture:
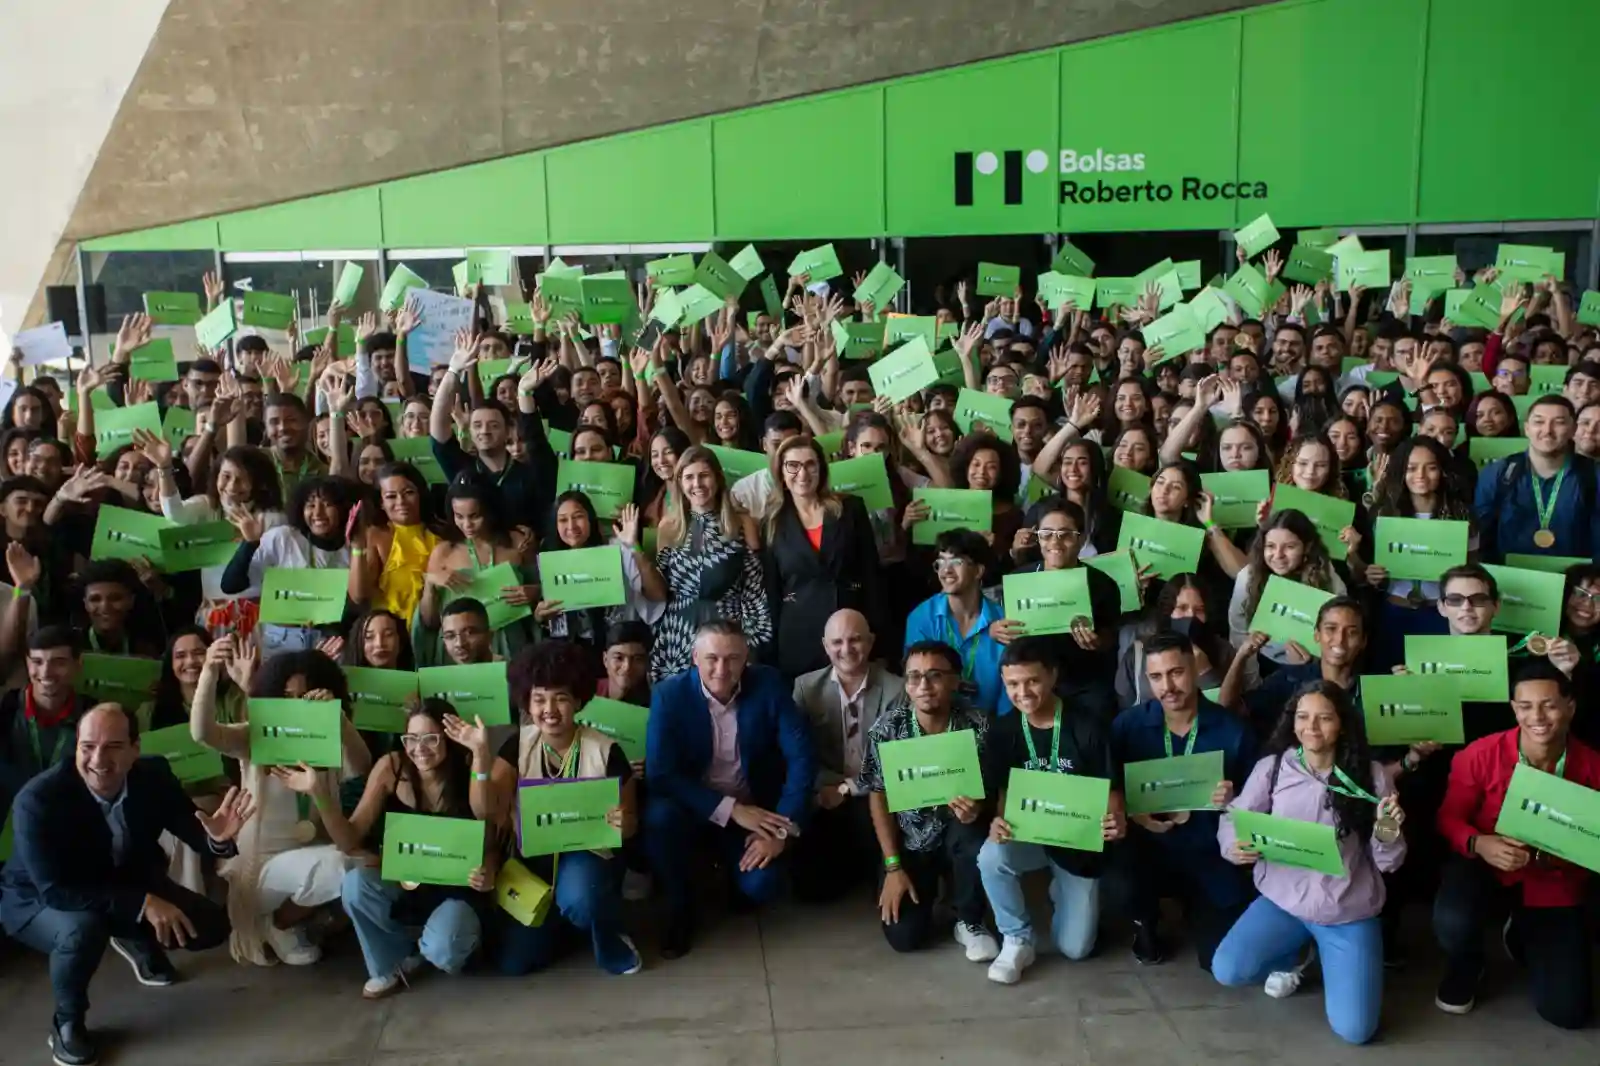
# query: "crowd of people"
(786, 618)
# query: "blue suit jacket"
(774, 744)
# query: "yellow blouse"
(400, 584)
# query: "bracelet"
(476, 776)
(1211, 527)
(356, 553)
(19, 592)
(1472, 844)
(891, 863)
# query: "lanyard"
(1546, 511)
(94, 642)
(472, 550)
(564, 767)
(305, 464)
(1346, 787)
(966, 648)
(1188, 747)
(56, 753)
(1055, 741)
(1561, 763)
(487, 473)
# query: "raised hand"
(1272, 265)
(155, 447)
(133, 334)
(237, 808)
(25, 568)
(214, 288)
(251, 526)
(409, 318)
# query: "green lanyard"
(1188, 747)
(1055, 741)
(564, 766)
(1346, 787)
(1561, 763)
(966, 648)
(472, 550)
(56, 753)
(94, 642)
(1546, 511)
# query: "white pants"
(309, 876)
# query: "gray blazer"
(818, 699)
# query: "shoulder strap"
(1272, 782)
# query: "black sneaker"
(150, 964)
(1458, 992)
(1395, 955)
(71, 1044)
(1147, 945)
(1511, 940)
(676, 939)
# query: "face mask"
(1188, 627)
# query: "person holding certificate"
(1493, 873)
(1316, 773)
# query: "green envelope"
(1406, 709)
(173, 308)
(904, 372)
(378, 698)
(123, 534)
(1179, 783)
(715, 274)
(1527, 262)
(123, 679)
(426, 849)
(287, 732)
(402, 279)
(1552, 814)
(1048, 601)
(737, 462)
(1433, 273)
(1369, 269)
(567, 816)
(563, 291)
(995, 279)
(1209, 309)
(347, 343)
(197, 547)
(1475, 665)
(1589, 309)
(626, 723)
(1318, 238)
(1071, 259)
(606, 301)
(1188, 273)
(1177, 332)
(1115, 291)
(865, 476)
(1257, 236)
(930, 770)
(1236, 495)
(672, 270)
(1289, 841)
(903, 328)
(1288, 611)
(1550, 564)
(880, 286)
(748, 263)
(1328, 513)
(609, 486)
(858, 340)
(1248, 287)
(583, 578)
(1119, 567)
(952, 509)
(699, 303)
(1419, 549)
(114, 429)
(266, 310)
(975, 408)
(487, 588)
(190, 760)
(1478, 306)
(1057, 810)
(215, 328)
(770, 298)
(1530, 601)
(1346, 245)
(491, 266)
(1128, 490)
(947, 361)
(1056, 289)
(155, 361)
(1485, 450)
(475, 690)
(519, 318)
(1307, 265)
(819, 264)
(1169, 549)
(349, 286)
(294, 597)
(418, 451)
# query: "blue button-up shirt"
(980, 653)
(117, 822)
(1513, 515)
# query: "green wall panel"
(179, 237)
(836, 141)
(640, 187)
(499, 202)
(1511, 125)
(1328, 110)
(338, 220)
(1148, 138)
(986, 110)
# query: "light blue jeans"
(448, 938)
(1076, 899)
(1268, 938)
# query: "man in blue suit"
(87, 869)
(728, 757)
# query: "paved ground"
(795, 986)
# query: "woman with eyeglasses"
(1577, 651)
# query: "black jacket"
(810, 585)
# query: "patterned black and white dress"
(709, 576)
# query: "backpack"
(1514, 470)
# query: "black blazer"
(61, 853)
(810, 585)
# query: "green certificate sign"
(1288, 611)
(475, 690)
(379, 697)
(930, 770)
(292, 597)
(290, 732)
(626, 723)
(608, 485)
(426, 849)
(1057, 810)
(1554, 815)
(488, 588)
(1181, 783)
(952, 509)
(1328, 513)
(199, 546)
(1406, 709)
(1419, 549)
(1048, 601)
(581, 578)
(1236, 495)
(1530, 600)
(1475, 665)
(1169, 549)
(122, 679)
(1289, 841)
(567, 816)
(189, 759)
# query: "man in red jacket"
(1491, 874)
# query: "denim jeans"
(671, 835)
(1076, 899)
(1269, 938)
(588, 903)
(448, 938)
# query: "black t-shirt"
(1085, 750)
(1076, 667)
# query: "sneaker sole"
(138, 973)
(50, 1042)
(1455, 1008)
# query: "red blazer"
(1479, 779)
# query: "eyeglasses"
(1478, 600)
(1047, 535)
(1584, 594)
(426, 741)
(1515, 374)
(916, 679)
(1000, 379)
(941, 566)
(791, 466)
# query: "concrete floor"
(794, 986)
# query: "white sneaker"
(1015, 956)
(1281, 984)
(382, 987)
(638, 959)
(290, 945)
(976, 939)
(635, 886)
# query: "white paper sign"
(431, 343)
(47, 344)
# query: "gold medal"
(1544, 538)
(1538, 644)
(1385, 830)
(1083, 622)
(305, 831)
(410, 886)
(1180, 817)
(1368, 499)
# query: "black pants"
(956, 860)
(1554, 940)
(76, 941)
(836, 854)
(1213, 891)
